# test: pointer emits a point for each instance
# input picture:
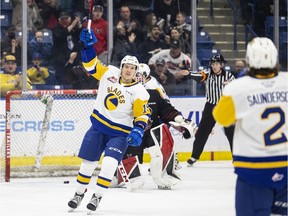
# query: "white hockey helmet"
(143, 73)
(128, 59)
(261, 53)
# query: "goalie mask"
(143, 73)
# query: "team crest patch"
(112, 79)
(111, 101)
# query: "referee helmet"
(217, 58)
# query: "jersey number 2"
(268, 134)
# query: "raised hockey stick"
(89, 16)
(48, 100)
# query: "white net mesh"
(51, 152)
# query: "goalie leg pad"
(156, 165)
(162, 136)
(133, 170)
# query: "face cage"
(140, 78)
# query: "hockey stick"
(124, 176)
(89, 16)
(48, 100)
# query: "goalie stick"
(48, 100)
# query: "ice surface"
(206, 189)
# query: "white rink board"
(192, 108)
(74, 127)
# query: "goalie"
(157, 137)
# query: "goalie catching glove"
(187, 127)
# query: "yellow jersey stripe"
(109, 125)
(264, 165)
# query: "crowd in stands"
(156, 31)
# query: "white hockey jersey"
(173, 64)
(118, 106)
(152, 83)
(260, 109)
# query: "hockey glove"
(187, 127)
(135, 136)
(87, 37)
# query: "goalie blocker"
(162, 164)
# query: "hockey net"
(44, 139)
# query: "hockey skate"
(94, 202)
(191, 161)
(75, 201)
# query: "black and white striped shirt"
(214, 83)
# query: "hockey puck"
(66, 182)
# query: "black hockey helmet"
(217, 58)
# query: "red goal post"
(44, 139)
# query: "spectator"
(124, 44)
(130, 24)
(6, 39)
(166, 9)
(66, 40)
(100, 29)
(49, 11)
(139, 8)
(34, 19)
(239, 68)
(175, 34)
(37, 74)
(175, 59)
(38, 45)
(9, 78)
(180, 21)
(77, 76)
(163, 76)
(152, 45)
(16, 48)
(150, 21)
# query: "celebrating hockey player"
(157, 137)
(118, 120)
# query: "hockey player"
(118, 120)
(149, 81)
(258, 103)
(157, 137)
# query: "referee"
(216, 77)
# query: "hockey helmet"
(143, 73)
(129, 60)
(261, 53)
